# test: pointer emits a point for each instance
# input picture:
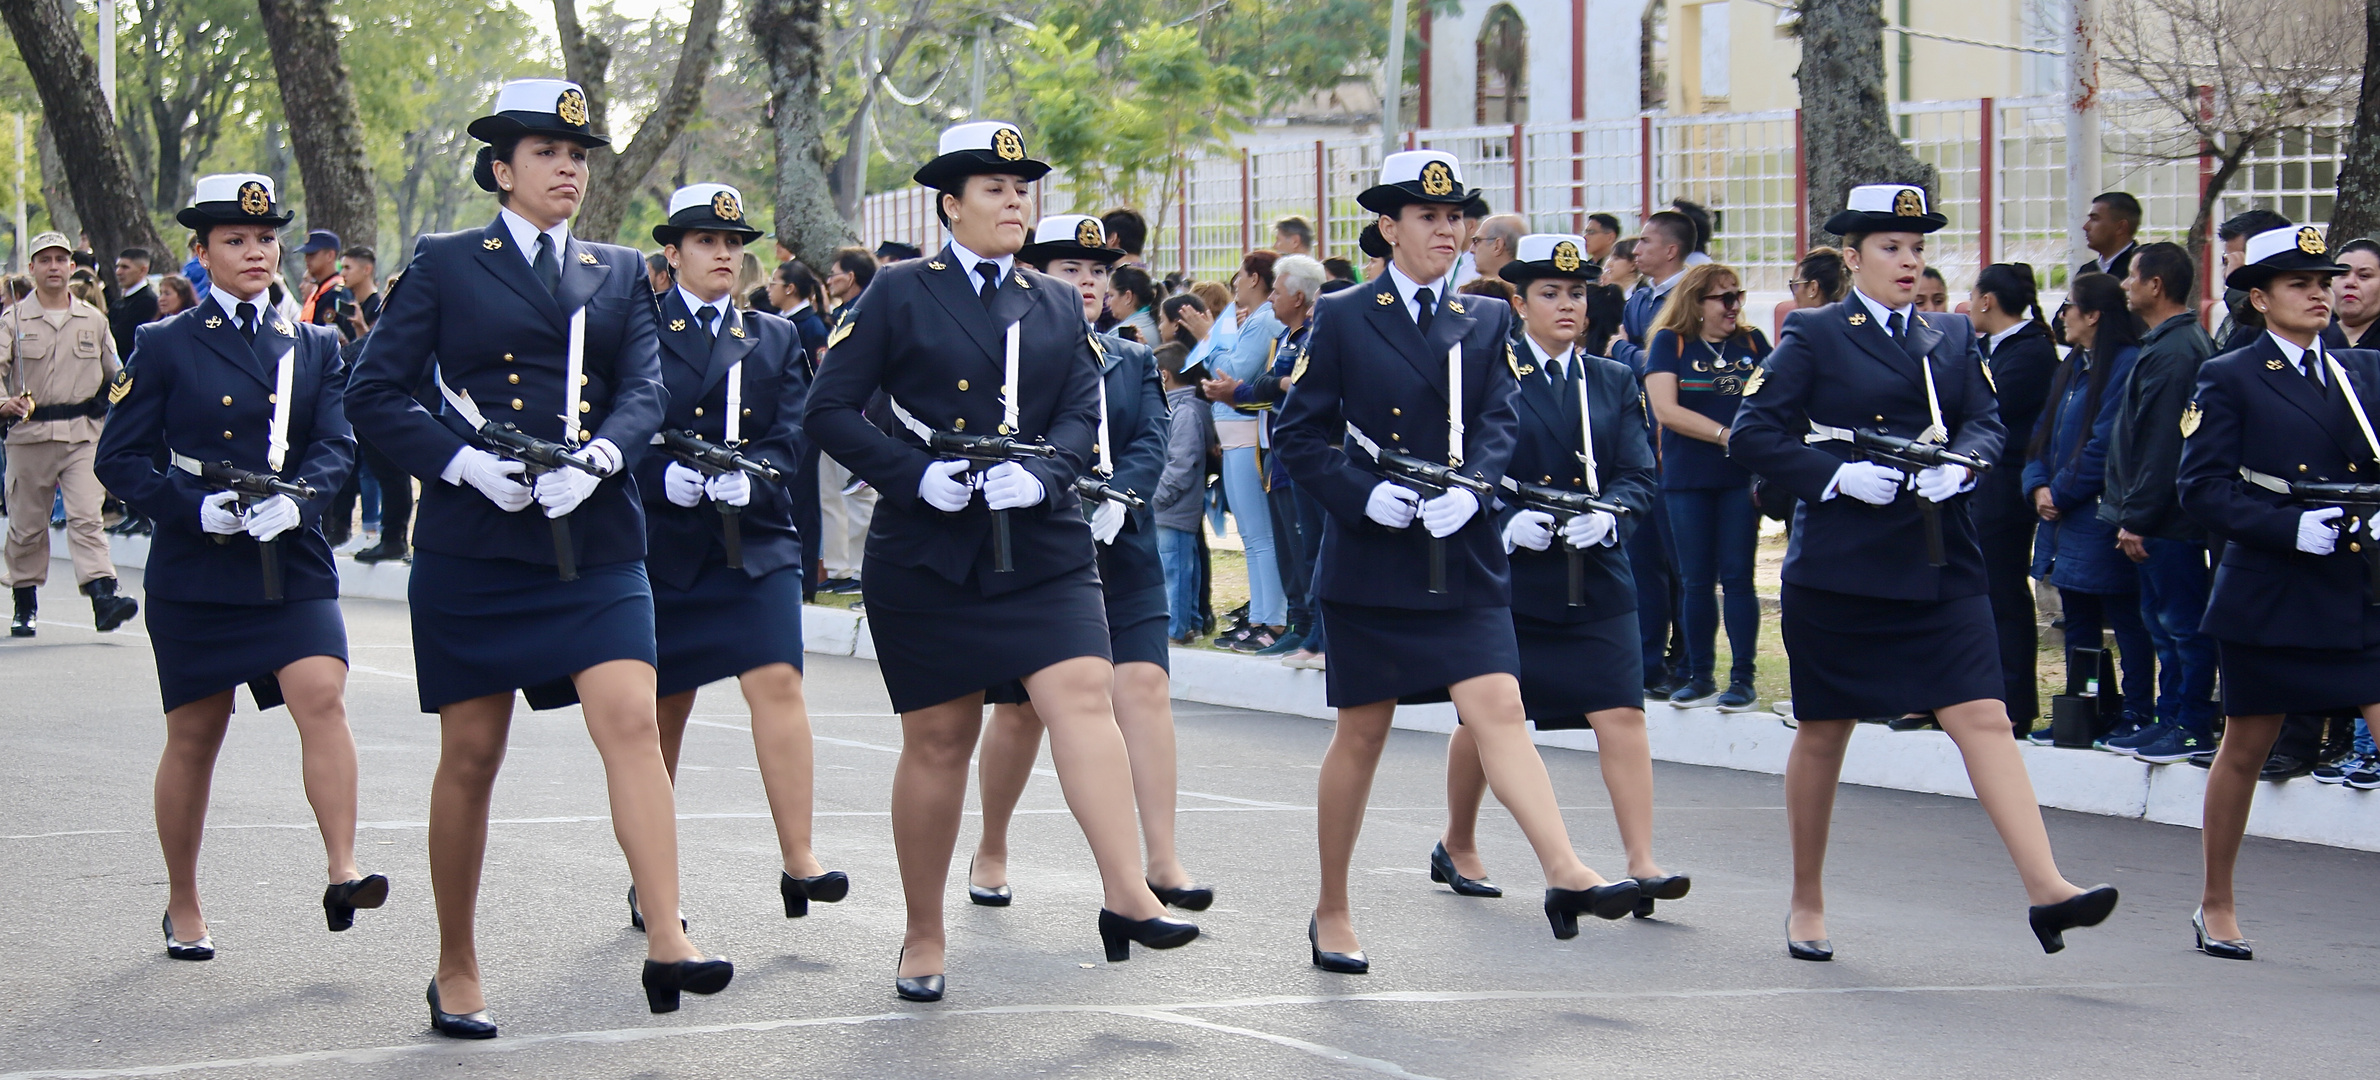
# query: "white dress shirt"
(1994, 341)
(1908, 313)
(694, 305)
(524, 235)
(2297, 356)
(257, 304)
(968, 261)
(1406, 287)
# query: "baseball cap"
(320, 240)
(48, 240)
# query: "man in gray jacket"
(1181, 496)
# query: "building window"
(1502, 93)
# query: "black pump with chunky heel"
(663, 982)
(1611, 900)
(1343, 963)
(470, 1025)
(826, 888)
(1187, 897)
(1163, 932)
(1664, 887)
(2087, 908)
(340, 901)
(1443, 872)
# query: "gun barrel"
(701, 453)
(538, 452)
(1091, 488)
(987, 447)
(1921, 455)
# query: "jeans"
(1310, 517)
(1243, 488)
(2174, 583)
(1715, 531)
(1289, 552)
(1177, 551)
(368, 486)
(2087, 615)
(1650, 557)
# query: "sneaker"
(1695, 695)
(1739, 698)
(1259, 639)
(1306, 661)
(2042, 737)
(2127, 737)
(354, 544)
(2366, 774)
(1287, 643)
(2335, 772)
(1661, 687)
(2172, 746)
(1782, 707)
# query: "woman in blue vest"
(529, 578)
(241, 588)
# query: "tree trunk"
(2228, 162)
(1847, 135)
(56, 197)
(323, 122)
(615, 176)
(791, 35)
(75, 115)
(2357, 212)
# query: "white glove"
(1532, 529)
(215, 514)
(2372, 525)
(561, 490)
(2318, 531)
(1942, 481)
(1010, 486)
(1107, 521)
(1446, 513)
(496, 478)
(1866, 481)
(682, 484)
(941, 488)
(1391, 505)
(272, 517)
(1591, 528)
(734, 488)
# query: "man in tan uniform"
(57, 357)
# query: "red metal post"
(1987, 183)
(1409, 139)
(1801, 192)
(1247, 207)
(1520, 170)
(1644, 192)
(1321, 204)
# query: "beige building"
(1740, 55)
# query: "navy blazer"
(1546, 454)
(194, 386)
(2022, 369)
(1136, 433)
(2255, 411)
(1829, 370)
(922, 336)
(775, 384)
(1367, 365)
(470, 307)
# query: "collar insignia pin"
(937, 265)
(1385, 299)
(1858, 319)
(214, 321)
(677, 324)
(587, 257)
(491, 243)
(736, 330)
(2275, 365)
(1455, 306)
(284, 329)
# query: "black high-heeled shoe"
(664, 981)
(826, 888)
(915, 987)
(983, 897)
(1344, 963)
(1163, 932)
(2224, 948)
(340, 901)
(1665, 887)
(202, 949)
(2088, 908)
(1187, 898)
(636, 915)
(1443, 872)
(470, 1025)
(1610, 900)
(1820, 949)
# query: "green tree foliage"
(1123, 116)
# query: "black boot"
(28, 600)
(108, 611)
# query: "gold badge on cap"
(1008, 144)
(255, 201)
(1437, 179)
(572, 107)
(2190, 418)
(1908, 204)
(2309, 240)
(1086, 233)
(725, 208)
(1566, 256)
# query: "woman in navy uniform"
(1400, 366)
(1581, 666)
(1871, 628)
(521, 324)
(736, 379)
(2292, 610)
(967, 344)
(1129, 455)
(232, 381)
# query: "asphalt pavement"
(1936, 974)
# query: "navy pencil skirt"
(204, 649)
(493, 626)
(937, 640)
(1860, 656)
(725, 624)
(1412, 655)
(1571, 669)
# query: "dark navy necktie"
(1428, 305)
(246, 317)
(547, 267)
(990, 272)
(1893, 326)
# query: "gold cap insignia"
(1008, 144)
(2309, 240)
(1908, 204)
(1086, 233)
(254, 200)
(1566, 256)
(725, 208)
(1437, 179)
(2190, 418)
(491, 243)
(122, 386)
(587, 257)
(1752, 385)
(1858, 319)
(677, 324)
(572, 107)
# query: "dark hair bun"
(483, 169)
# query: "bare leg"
(315, 689)
(1466, 788)
(617, 698)
(1625, 755)
(1073, 698)
(1491, 705)
(671, 713)
(1997, 772)
(1812, 769)
(929, 792)
(1144, 712)
(185, 775)
(1004, 765)
(2230, 792)
(1339, 801)
(781, 742)
(471, 750)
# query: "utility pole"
(107, 51)
(975, 79)
(19, 255)
(1392, 80)
(2082, 125)
(859, 138)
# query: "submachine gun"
(711, 459)
(1912, 457)
(983, 452)
(1564, 505)
(542, 457)
(253, 488)
(2361, 502)
(1430, 481)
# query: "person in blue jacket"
(233, 382)
(727, 608)
(521, 324)
(2065, 472)
(1129, 457)
(1872, 627)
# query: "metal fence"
(2002, 161)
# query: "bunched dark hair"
(2012, 285)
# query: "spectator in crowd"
(1701, 217)
(1817, 281)
(1236, 428)
(657, 275)
(800, 297)
(20, 286)
(195, 272)
(1215, 333)
(845, 503)
(327, 301)
(1493, 287)
(1181, 489)
(1339, 274)
(2006, 310)
(1127, 232)
(1660, 255)
(1466, 262)
(359, 267)
(1696, 365)
(1495, 244)
(136, 301)
(751, 280)
(2241, 324)
(1132, 304)
(847, 277)
(796, 296)
(1933, 293)
(888, 253)
(2358, 296)
(2108, 231)
(2144, 454)
(1619, 268)
(1293, 236)
(2075, 549)
(1297, 285)
(174, 295)
(1602, 231)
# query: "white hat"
(1872, 208)
(976, 148)
(1409, 176)
(1069, 236)
(539, 107)
(1541, 255)
(2278, 251)
(233, 199)
(711, 207)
